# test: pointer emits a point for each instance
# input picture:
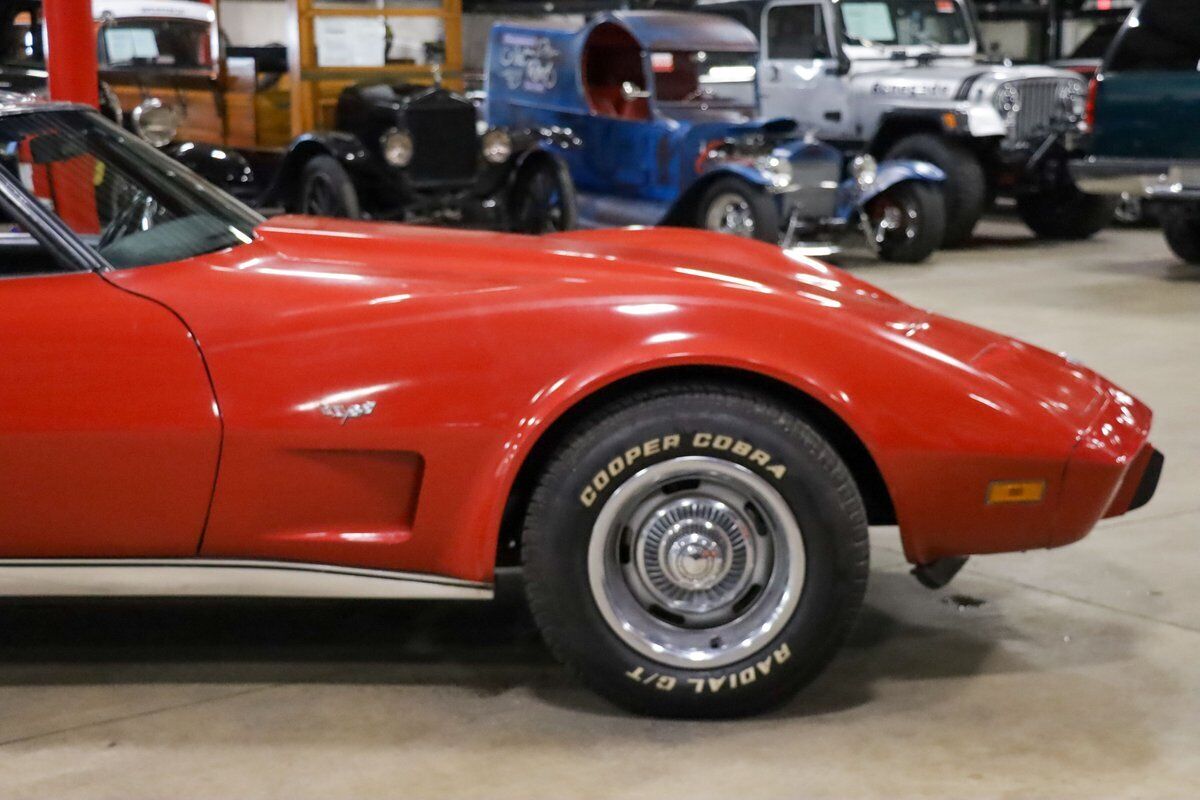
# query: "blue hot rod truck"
(661, 109)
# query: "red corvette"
(681, 436)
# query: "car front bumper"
(1151, 179)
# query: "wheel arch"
(345, 149)
(849, 446)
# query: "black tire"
(1066, 213)
(1182, 230)
(542, 198)
(922, 213)
(966, 186)
(756, 203)
(741, 433)
(326, 190)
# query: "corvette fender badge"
(347, 411)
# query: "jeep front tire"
(965, 188)
(1066, 212)
(695, 551)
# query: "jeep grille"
(1045, 108)
(445, 150)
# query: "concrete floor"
(1073, 673)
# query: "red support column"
(70, 40)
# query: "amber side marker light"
(1001, 492)
(950, 120)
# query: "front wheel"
(966, 186)
(698, 551)
(326, 190)
(543, 198)
(1182, 230)
(731, 205)
(907, 223)
(1066, 213)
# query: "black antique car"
(414, 153)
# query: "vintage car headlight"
(397, 147)
(1008, 102)
(154, 122)
(864, 168)
(497, 146)
(778, 170)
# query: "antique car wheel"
(543, 198)
(326, 190)
(695, 551)
(731, 205)
(1182, 230)
(906, 223)
(1066, 213)
(965, 188)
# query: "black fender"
(346, 148)
(898, 123)
(227, 169)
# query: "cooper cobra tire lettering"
(720, 442)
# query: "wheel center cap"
(695, 561)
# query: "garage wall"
(258, 22)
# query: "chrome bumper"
(1150, 179)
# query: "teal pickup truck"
(1144, 115)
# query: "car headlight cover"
(864, 168)
(1072, 97)
(397, 147)
(779, 170)
(1008, 102)
(154, 122)
(497, 146)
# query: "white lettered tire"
(695, 551)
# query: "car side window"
(119, 196)
(797, 32)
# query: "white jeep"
(904, 79)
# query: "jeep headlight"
(497, 146)
(777, 170)
(1072, 98)
(864, 168)
(1008, 102)
(397, 147)
(154, 122)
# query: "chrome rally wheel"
(694, 551)
(694, 562)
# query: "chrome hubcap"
(730, 213)
(696, 562)
(891, 221)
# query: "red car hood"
(378, 250)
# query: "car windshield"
(133, 204)
(704, 78)
(184, 44)
(904, 23)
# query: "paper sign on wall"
(349, 42)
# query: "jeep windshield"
(724, 80)
(895, 25)
(175, 43)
